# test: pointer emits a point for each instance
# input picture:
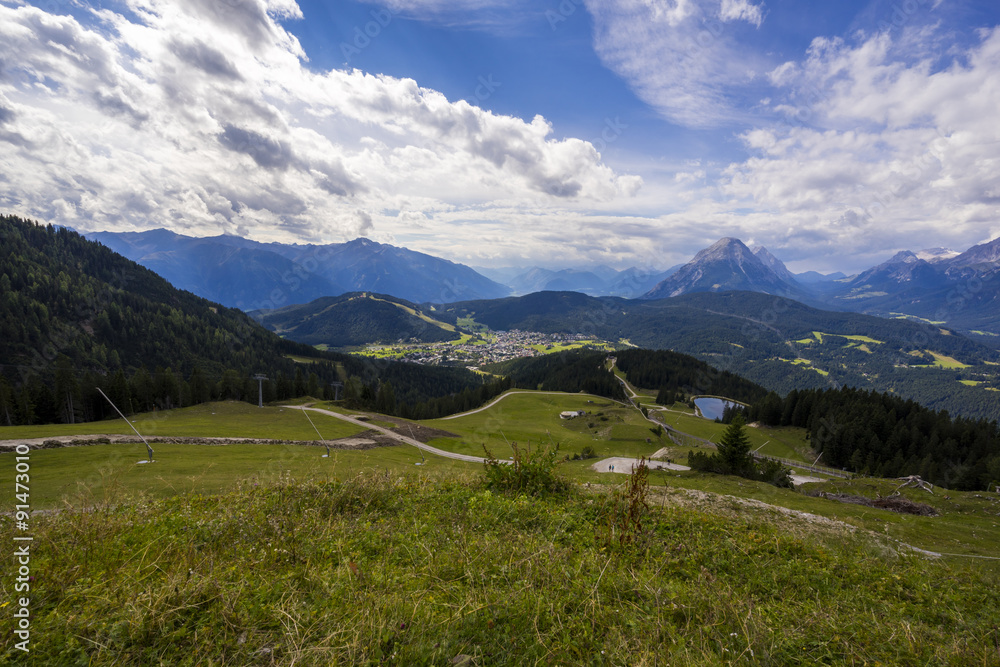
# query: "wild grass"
(383, 569)
(84, 475)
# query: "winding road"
(517, 391)
(393, 434)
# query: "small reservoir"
(711, 408)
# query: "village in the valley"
(478, 349)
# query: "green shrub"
(529, 473)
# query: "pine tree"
(385, 401)
(734, 447)
(67, 389)
(7, 405)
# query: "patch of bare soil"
(897, 504)
(422, 433)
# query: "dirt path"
(396, 436)
(517, 391)
(366, 440)
(625, 465)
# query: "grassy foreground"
(415, 570)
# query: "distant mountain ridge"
(936, 284)
(250, 275)
(728, 265)
(597, 281)
(961, 290)
(775, 264)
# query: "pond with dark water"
(711, 408)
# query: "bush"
(628, 506)
(531, 474)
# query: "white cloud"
(682, 57)
(741, 10)
(893, 152)
(490, 15)
(202, 116)
(206, 119)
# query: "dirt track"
(367, 440)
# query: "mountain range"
(960, 290)
(776, 341)
(75, 317)
(938, 285)
(249, 275)
(596, 281)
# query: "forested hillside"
(574, 371)
(356, 319)
(886, 436)
(777, 342)
(673, 374)
(75, 316)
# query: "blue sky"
(552, 133)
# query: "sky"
(556, 133)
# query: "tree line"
(677, 375)
(570, 371)
(883, 435)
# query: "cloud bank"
(205, 117)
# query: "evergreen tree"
(119, 392)
(7, 404)
(734, 447)
(385, 401)
(67, 389)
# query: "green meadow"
(383, 568)
(82, 476)
(230, 419)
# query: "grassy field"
(944, 361)
(272, 555)
(552, 348)
(230, 419)
(610, 428)
(806, 363)
(857, 339)
(87, 475)
(386, 569)
(532, 419)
